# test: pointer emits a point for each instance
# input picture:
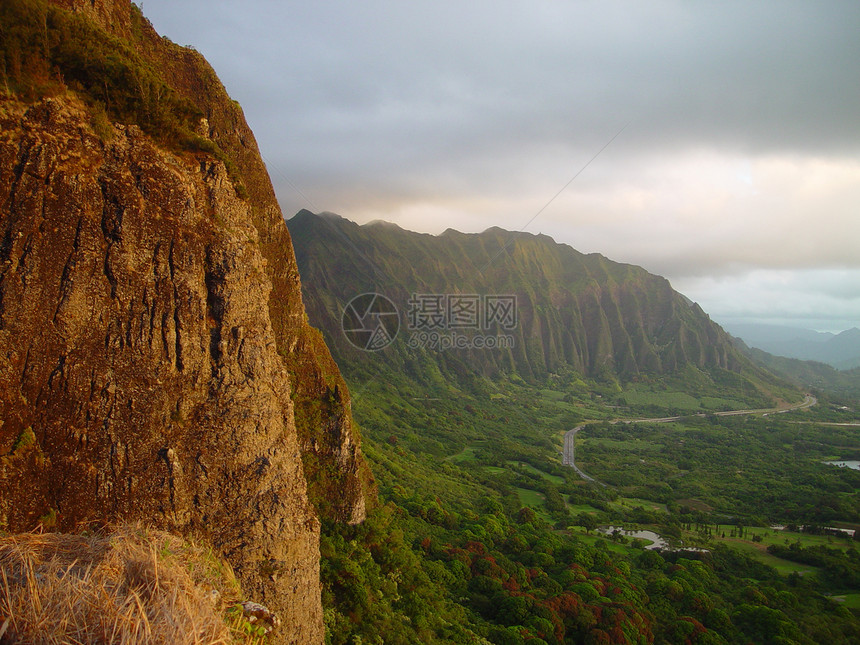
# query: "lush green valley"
(481, 535)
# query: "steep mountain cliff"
(578, 311)
(155, 358)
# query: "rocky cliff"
(155, 359)
(338, 477)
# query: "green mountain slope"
(574, 312)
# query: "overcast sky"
(736, 173)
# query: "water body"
(853, 464)
(658, 542)
(782, 527)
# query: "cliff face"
(138, 372)
(155, 359)
(338, 477)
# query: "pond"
(849, 463)
(657, 542)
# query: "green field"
(596, 538)
(535, 501)
(771, 536)
(555, 479)
(466, 455)
(669, 400)
(530, 498)
(582, 508)
(495, 470)
(634, 502)
(785, 567)
(850, 600)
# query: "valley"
(458, 468)
(568, 449)
(468, 450)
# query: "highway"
(569, 451)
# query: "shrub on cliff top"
(46, 50)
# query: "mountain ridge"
(841, 351)
(576, 311)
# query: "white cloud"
(820, 299)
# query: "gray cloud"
(741, 149)
(773, 74)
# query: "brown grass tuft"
(133, 585)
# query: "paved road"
(569, 451)
(568, 454)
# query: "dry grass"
(133, 585)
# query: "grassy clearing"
(785, 567)
(595, 538)
(555, 479)
(635, 502)
(530, 498)
(535, 501)
(771, 536)
(668, 400)
(466, 455)
(758, 550)
(552, 395)
(849, 600)
(695, 504)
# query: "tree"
(586, 521)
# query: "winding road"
(569, 450)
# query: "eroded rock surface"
(139, 370)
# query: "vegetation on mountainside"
(613, 322)
(46, 50)
(818, 377)
(483, 534)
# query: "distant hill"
(841, 351)
(809, 375)
(574, 311)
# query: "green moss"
(26, 439)
(49, 520)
